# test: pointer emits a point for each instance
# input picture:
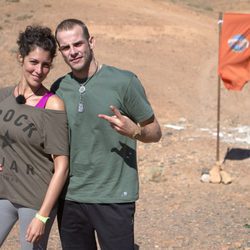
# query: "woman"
(33, 144)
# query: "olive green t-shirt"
(28, 138)
(103, 166)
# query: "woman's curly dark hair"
(36, 36)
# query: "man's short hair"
(69, 24)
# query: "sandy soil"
(173, 48)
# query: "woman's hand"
(35, 230)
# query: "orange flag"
(234, 50)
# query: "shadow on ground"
(237, 154)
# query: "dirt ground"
(173, 48)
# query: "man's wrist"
(137, 132)
(41, 218)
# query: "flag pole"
(217, 174)
(218, 100)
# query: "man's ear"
(92, 42)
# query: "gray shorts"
(10, 213)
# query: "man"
(107, 112)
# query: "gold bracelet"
(137, 132)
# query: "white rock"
(205, 178)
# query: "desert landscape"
(172, 45)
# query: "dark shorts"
(112, 223)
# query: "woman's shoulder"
(55, 103)
(6, 91)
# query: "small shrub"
(24, 17)
(13, 1)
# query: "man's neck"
(86, 73)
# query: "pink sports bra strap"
(42, 103)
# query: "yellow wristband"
(42, 218)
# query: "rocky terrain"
(173, 48)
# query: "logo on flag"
(234, 50)
(238, 43)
